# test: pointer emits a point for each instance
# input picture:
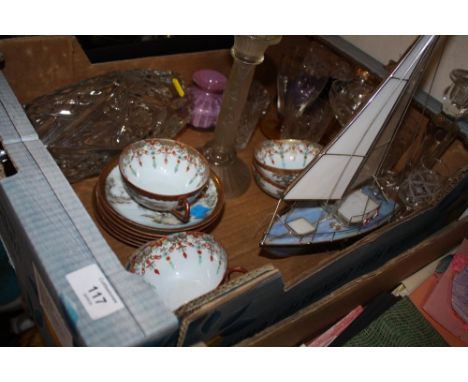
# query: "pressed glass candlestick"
(247, 52)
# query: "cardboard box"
(314, 318)
(61, 255)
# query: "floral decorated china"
(267, 187)
(129, 221)
(273, 179)
(280, 161)
(124, 238)
(279, 180)
(284, 156)
(120, 231)
(131, 235)
(164, 175)
(181, 267)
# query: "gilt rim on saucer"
(131, 238)
(129, 232)
(130, 241)
(259, 179)
(263, 177)
(100, 194)
(139, 228)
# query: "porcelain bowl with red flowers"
(181, 266)
(280, 161)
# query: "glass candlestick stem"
(221, 153)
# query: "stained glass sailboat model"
(337, 196)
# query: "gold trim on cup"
(284, 171)
(100, 198)
(273, 183)
(163, 197)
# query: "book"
(439, 304)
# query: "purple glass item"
(210, 80)
(206, 97)
(205, 108)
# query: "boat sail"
(336, 196)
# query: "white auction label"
(94, 291)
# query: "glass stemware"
(302, 76)
(347, 97)
(313, 122)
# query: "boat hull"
(329, 229)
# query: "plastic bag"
(87, 123)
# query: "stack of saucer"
(277, 162)
(130, 222)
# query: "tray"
(49, 226)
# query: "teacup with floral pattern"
(164, 175)
(280, 161)
(181, 267)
